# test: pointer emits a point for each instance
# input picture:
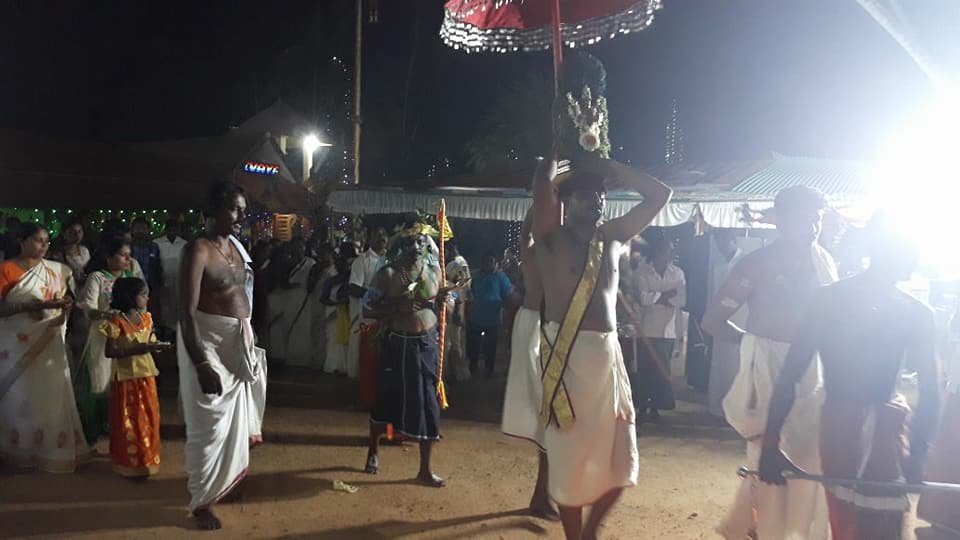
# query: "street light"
(310, 144)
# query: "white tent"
(732, 202)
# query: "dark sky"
(817, 77)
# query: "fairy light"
(674, 140)
(513, 236)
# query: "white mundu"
(221, 429)
(523, 398)
(797, 511)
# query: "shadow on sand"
(103, 502)
(384, 530)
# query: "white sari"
(39, 423)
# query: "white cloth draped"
(523, 398)
(171, 253)
(599, 452)
(221, 429)
(39, 422)
(291, 316)
(361, 274)
(798, 510)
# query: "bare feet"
(431, 480)
(206, 520)
(373, 464)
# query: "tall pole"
(557, 44)
(357, 71)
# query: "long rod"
(854, 482)
(357, 72)
(557, 45)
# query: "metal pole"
(557, 45)
(357, 71)
(904, 487)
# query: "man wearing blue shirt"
(489, 289)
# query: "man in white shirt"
(458, 271)
(662, 290)
(171, 251)
(361, 353)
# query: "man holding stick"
(866, 330)
(776, 283)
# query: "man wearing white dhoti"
(776, 284)
(363, 351)
(455, 355)
(524, 393)
(586, 406)
(171, 252)
(222, 373)
(290, 306)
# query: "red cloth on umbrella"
(512, 25)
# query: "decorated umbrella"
(536, 25)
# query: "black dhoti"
(407, 385)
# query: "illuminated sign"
(256, 167)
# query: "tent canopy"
(727, 195)
(47, 172)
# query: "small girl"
(134, 407)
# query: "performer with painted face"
(405, 296)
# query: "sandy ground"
(687, 478)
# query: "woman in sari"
(112, 261)
(69, 249)
(39, 424)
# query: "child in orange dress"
(134, 407)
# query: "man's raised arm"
(545, 199)
(655, 194)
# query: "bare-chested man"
(587, 407)
(776, 284)
(222, 374)
(866, 331)
(524, 393)
(405, 295)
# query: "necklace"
(405, 275)
(230, 261)
(134, 324)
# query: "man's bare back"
(565, 253)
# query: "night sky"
(816, 78)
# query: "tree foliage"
(517, 128)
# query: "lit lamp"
(310, 144)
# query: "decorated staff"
(445, 233)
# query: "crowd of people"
(806, 367)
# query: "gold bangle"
(201, 364)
